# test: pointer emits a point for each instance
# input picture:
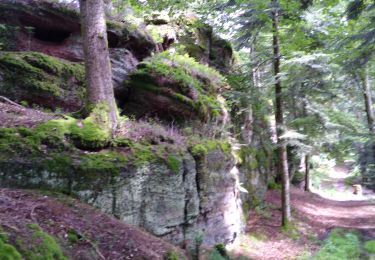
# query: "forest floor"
(82, 231)
(314, 217)
(14, 115)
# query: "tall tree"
(279, 116)
(97, 63)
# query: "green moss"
(7, 251)
(142, 154)
(199, 150)
(43, 246)
(38, 73)
(370, 246)
(89, 135)
(188, 81)
(174, 164)
(204, 146)
(104, 161)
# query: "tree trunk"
(368, 101)
(282, 153)
(307, 172)
(97, 62)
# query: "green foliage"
(73, 236)
(370, 246)
(341, 245)
(216, 255)
(171, 255)
(272, 185)
(43, 247)
(222, 250)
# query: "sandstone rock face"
(174, 87)
(53, 29)
(177, 206)
(41, 80)
(197, 38)
(199, 200)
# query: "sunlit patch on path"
(333, 187)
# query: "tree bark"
(366, 84)
(97, 61)
(307, 172)
(282, 153)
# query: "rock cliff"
(175, 175)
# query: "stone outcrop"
(54, 29)
(185, 192)
(35, 79)
(174, 87)
(198, 39)
(179, 199)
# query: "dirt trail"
(333, 187)
(314, 217)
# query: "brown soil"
(13, 115)
(102, 236)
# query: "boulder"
(174, 87)
(35, 79)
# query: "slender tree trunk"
(97, 62)
(366, 84)
(282, 153)
(307, 172)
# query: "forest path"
(314, 217)
(334, 187)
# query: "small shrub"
(222, 250)
(73, 236)
(171, 255)
(339, 245)
(272, 185)
(370, 246)
(216, 255)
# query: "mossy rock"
(42, 80)
(199, 149)
(173, 86)
(200, 42)
(74, 155)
